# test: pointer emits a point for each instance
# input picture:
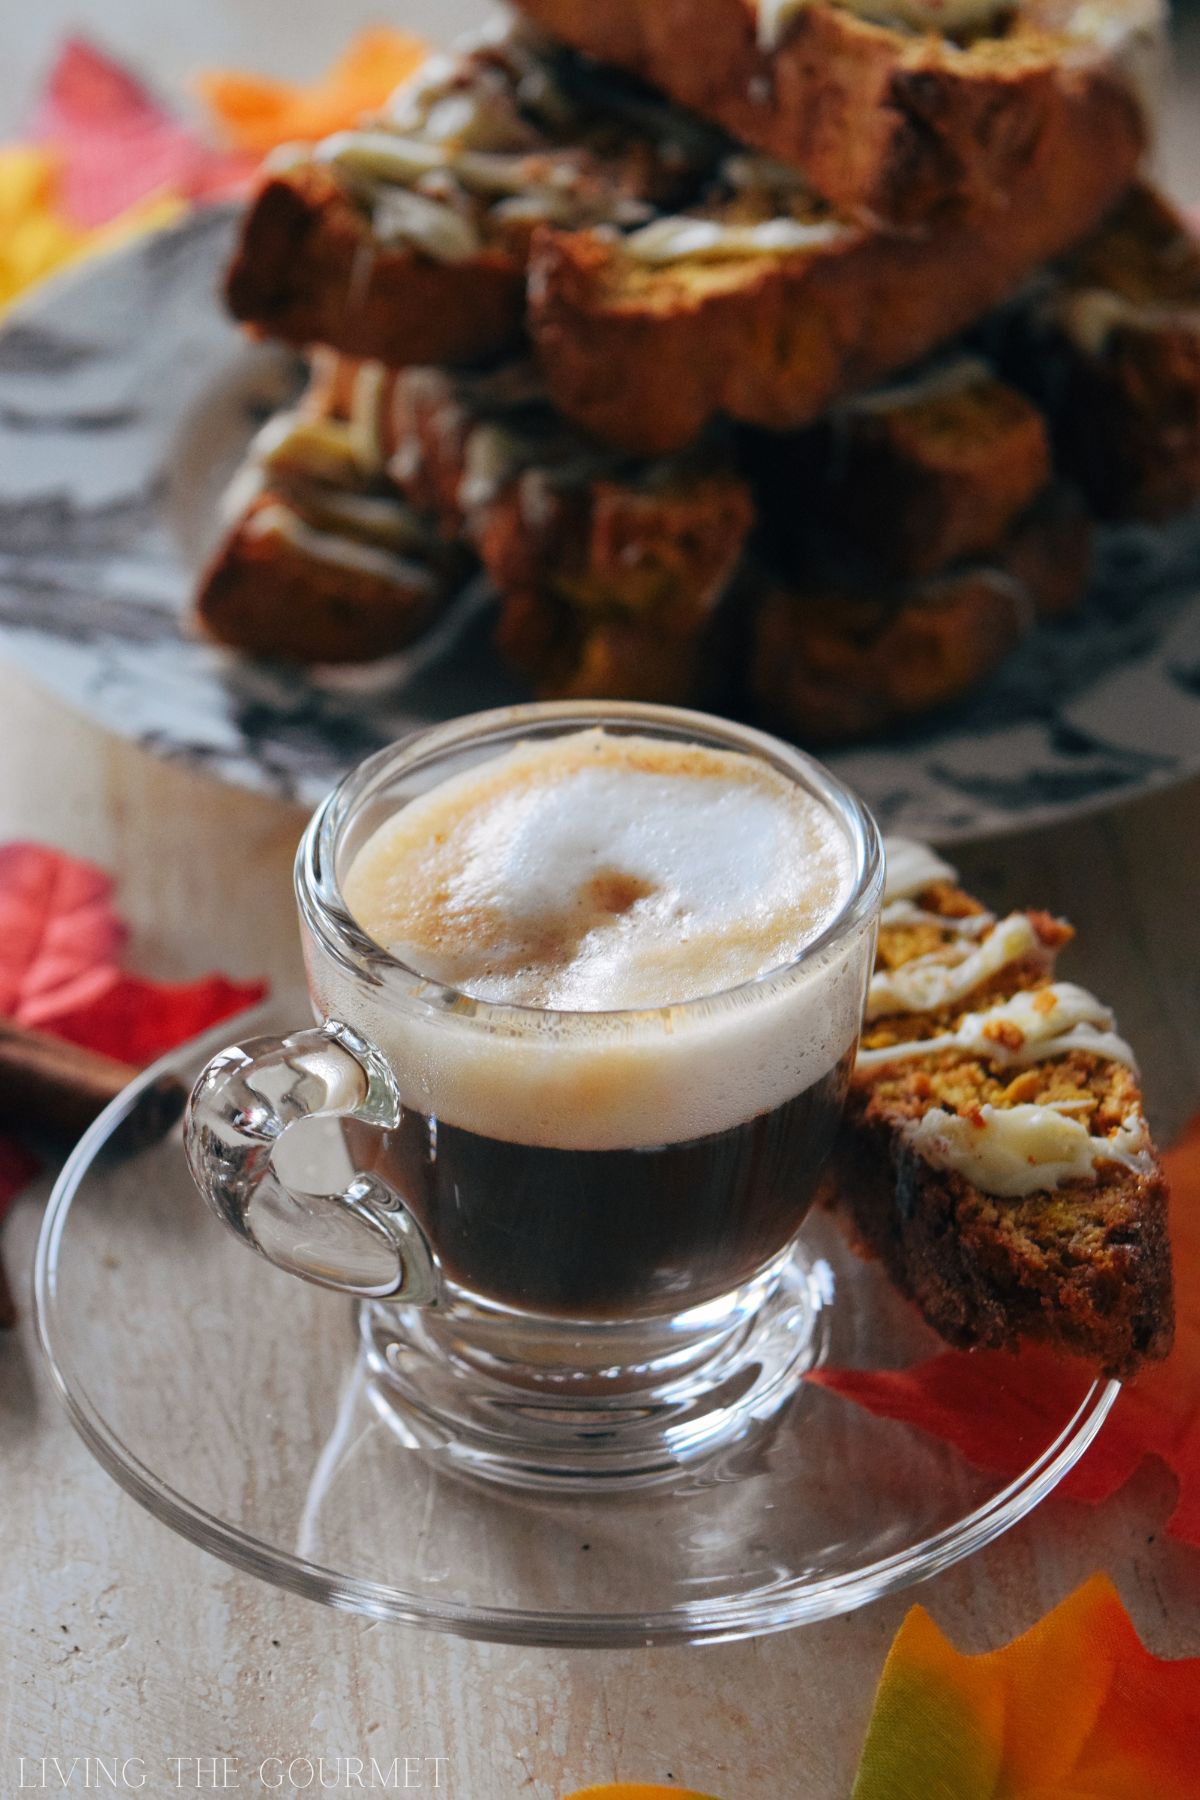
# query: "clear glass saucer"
(235, 1404)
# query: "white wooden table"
(118, 1640)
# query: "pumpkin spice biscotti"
(406, 239)
(761, 303)
(905, 109)
(995, 1153)
(321, 561)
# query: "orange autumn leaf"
(1076, 1709)
(999, 1410)
(256, 113)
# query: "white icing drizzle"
(366, 393)
(401, 215)
(298, 442)
(411, 184)
(905, 912)
(492, 456)
(956, 376)
(943, 16)
(277, 520)
(1008, 1151)
(381, 155)
(912, 866)
(1034, 1025)
(680, 237)
(1011, 1151)
(950, 973)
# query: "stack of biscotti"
(1107, 341)
(995, 1153)
(932, 534)
(322, 560)
(710, 384)
(609, 569)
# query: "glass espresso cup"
(572, 1235)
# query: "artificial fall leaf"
(118, 146)
(59, 943)
(256, 114)
(37, 239)
(1076, 1709)
(138, 1020)
(59, 936)
(999, 1410)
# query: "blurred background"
(167, 41)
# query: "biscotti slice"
(608, 568)
(836, 658)
(763, 305)
(995, 1153)
(1109, 343)
(406, 240)
(320, 564)
(906, 109)
(569, 654)
(831, 665)
(912, 477)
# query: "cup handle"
(317, 1216)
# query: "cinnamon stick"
(53, 1088)
(50, 1086)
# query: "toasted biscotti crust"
(567, 655)
(405, 239)
(902, 124)
(833, 661)
(643, 355)
(268, 596)
(1085, 1267)
(547, 512)
(1109, 343)
(829, 665)
(308, 269)
(981, 1280)
(916, 477)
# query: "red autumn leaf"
(59, 936)
(138, 1020)
(59, 941)
(118, 144)
(998, 1409)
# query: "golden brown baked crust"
(835, 659)
(270, 596)
(900, 123)
(915, 477)
(582, 544)
(643, 354)
(1085, 1266)
(569, 655)
(406, 239)
(831, 665)
(1109, 344)
(308, 269)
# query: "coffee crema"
(625, 891)
(593, 872)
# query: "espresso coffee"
(628, 1110)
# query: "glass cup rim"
(326, 915)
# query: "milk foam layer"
(593, 872)
(599, 1079)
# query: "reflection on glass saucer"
(233, 1402)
